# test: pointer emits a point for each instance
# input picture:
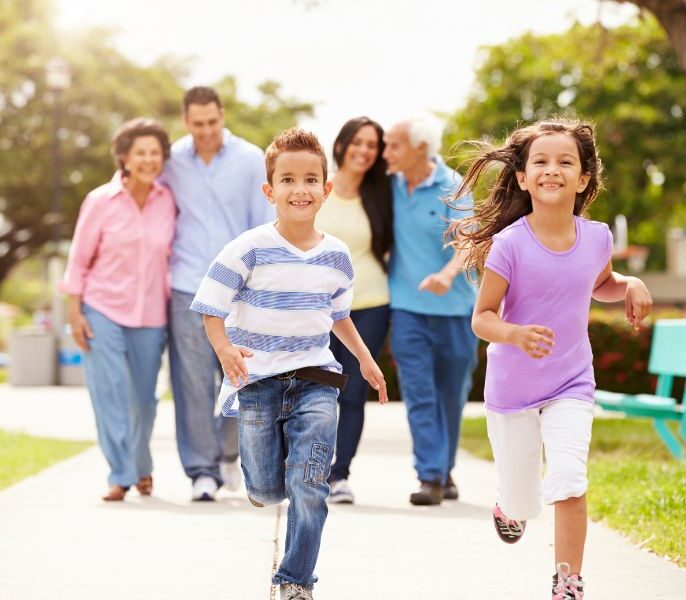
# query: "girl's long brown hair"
(506, 201)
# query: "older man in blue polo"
(431, 306)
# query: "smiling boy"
(269, 301)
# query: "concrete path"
(59, 541)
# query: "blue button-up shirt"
(216, 202)
(419, 223)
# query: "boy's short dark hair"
(293, 140)
(201, 95)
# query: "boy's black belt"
(317, 375)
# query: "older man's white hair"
(420, 131)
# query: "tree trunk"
(672, 16)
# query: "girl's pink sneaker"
(509, 530)
(567, 586)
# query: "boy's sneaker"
(567, 586)
(509, 530)
(340, 492)
(293, 591)
(204, 489)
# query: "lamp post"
(58, 79)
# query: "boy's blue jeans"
(287, 432)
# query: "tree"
(628, 81)
(107, 89)
(672, 16)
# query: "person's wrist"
(511, 334)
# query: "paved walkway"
(59, 541)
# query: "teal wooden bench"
(667, 361)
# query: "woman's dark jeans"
(372, 324)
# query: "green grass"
(3, 375)
(635, 486)
(22, 455)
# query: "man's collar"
(226, 136)
(437, 174)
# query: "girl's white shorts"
(563, 429)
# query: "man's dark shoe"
(430, 493)
(450, 490)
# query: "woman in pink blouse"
(116, 279)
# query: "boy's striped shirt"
(277, 301)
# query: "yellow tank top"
(345, 219)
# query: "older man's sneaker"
(566, 585)
(293, 591)
(450, 490)
(430, 493)
(340, 492)
(204, 489)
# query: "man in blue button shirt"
(217, 180)
(431, 306)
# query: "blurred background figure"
(432, 302)
(116, 278)
(216, 178)
(358, 212)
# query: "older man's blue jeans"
(202, 439)
(435, 357)
(287, 435)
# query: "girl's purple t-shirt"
(551, 289)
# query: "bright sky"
(388, 59)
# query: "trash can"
(70, 362)
(32, 358)
(676, 251)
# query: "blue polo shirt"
(216, 203)
(419, 223)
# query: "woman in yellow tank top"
(358, 212)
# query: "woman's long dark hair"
(375, 189)
(506, 201)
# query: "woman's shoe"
(144, 485)
(116, 493)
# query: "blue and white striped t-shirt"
(277, 301)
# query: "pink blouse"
(118, 262)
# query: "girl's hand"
(80, 329)
(537, 341)
(638, 302)
(371, 372)
(231, 359)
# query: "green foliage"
(628, 81)
(634, 484)
(107, 89)
(259, 124)
(22, 455)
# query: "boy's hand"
(231, 359)
(537, 341)
(638, 302)
(371, 372)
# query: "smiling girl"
(542, 262)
